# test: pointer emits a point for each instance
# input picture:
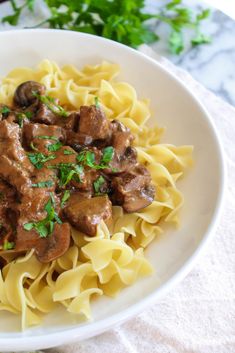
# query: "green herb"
(1, 196)
(200, 39)
(43, 184)
(108, 153)
(21, 117)
(68, 172)
(46, 226)
(13, 19)
(51, 104)
(68, 152)
(54, 146)
(8, 245)
(46, 137)
(65, 197)
(38, 159)
(5, 110)
(98, 183)
(33, 147)
(97, 103)
(28, 114)
(179, 17)
(88, 158)
(119, 20)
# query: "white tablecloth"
(198, 316)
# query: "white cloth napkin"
(198, 316)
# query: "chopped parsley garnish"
(98, 183)
(68, 152)
(33, 147)
(65, 197)
(21, 117)
(108, 153)
(88, 158)
(46, 226)
(8, 245)
(28, 114)
(5, 110)
(68, 172)
(1, 196)
(51, 104)
(54, 146)
(97, 103)
(46, 137)
(38, 159)
(43, 184)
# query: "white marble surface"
(212, 65)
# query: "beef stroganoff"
(85, 187)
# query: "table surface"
(212, 65)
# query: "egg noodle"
(114, 258)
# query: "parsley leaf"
(5, 110)
(46, 226)
(200, 39)
(46, 137)
(51, 104)
(8, 245)
(119, 20)
(97, 103)
(38, 159)
(65, 197)
(98, 183)
(68, 152)
(43, 184)
(68, 172)
(108, 153)
(54, 146)
(88, 158)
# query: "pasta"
(114, 258)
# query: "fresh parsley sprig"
(46, 226)
(88, 158)
(65, 197)
(38, 159)
(119, 20)
(68, 172)
(51, 104)
(98, 184)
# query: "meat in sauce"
(60, 169)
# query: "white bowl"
(187, 122)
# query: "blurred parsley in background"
(124, 21)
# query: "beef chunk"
(24, 94)
(77, 140)
(15, 167)
(121, 137)
(132, 190)
(93, 122)
(7, 219)
(69, 123)
(46, 249)
(125, 156)
(32, 132)
(10, 145)
(86, 215)
(44, 115)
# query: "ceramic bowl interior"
(186, 122)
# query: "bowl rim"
(49, 340)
